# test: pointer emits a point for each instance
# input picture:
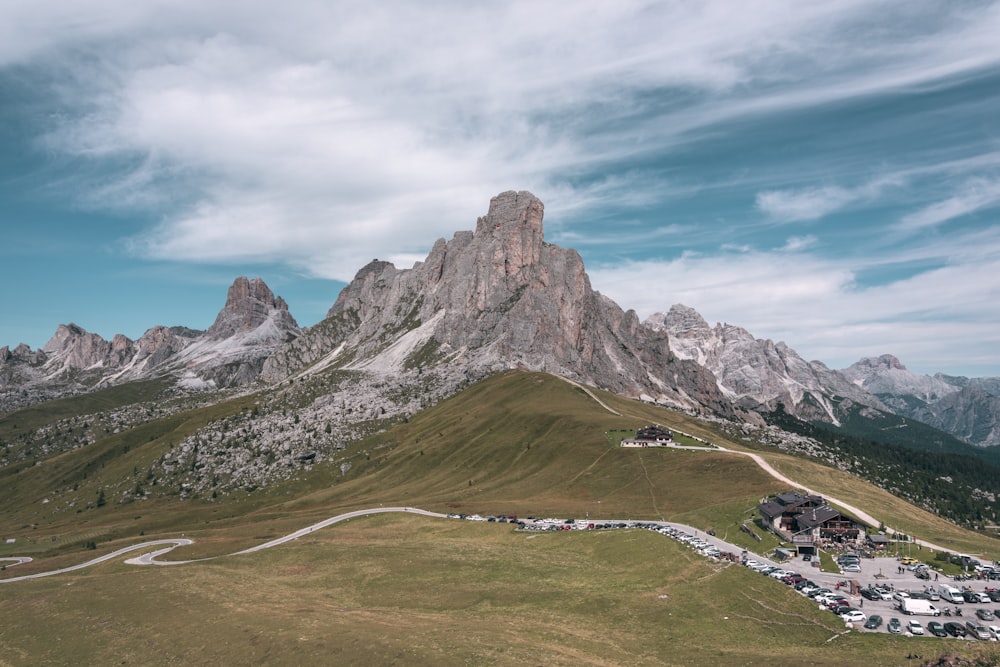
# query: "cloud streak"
(817, 305)
(317, 135)
(974, 195)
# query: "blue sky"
(826, 174)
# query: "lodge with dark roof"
(649, 436)
(808, 522)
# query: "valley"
(488, 379)
(451, 592)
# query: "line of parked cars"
(702, 546)
(849, 563)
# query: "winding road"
(766, 467)
(167, 545)
(151, 557)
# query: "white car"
(851, 567)
(854, 616)
(914, 628)
(994, 630)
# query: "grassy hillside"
(410, 590)
(404, 590)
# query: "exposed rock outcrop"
(497, 298)
(965, 408)
(251, 325)
(250, 305)
(759, 374)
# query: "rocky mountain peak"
(250, 304)
(880, 364)
(681, 321)
(887, 377)
(497, 298)
(515, 220)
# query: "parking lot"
(865, 587)
(876, 587)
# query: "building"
(650, 436)
(809, 523)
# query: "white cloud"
(322, 134)
(816, 305)
(974, 195)
(799, 243)
(342, 117)
(809, 204)
(813, 203)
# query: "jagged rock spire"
(249, 304)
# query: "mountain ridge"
(494, 298)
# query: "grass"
(406, 590)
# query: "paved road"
(884, 571)
(100, 559)
(769, 469)
(152, 557)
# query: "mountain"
(759, 374)
(251, 325)
(496, 298)
(967, 408)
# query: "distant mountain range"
(491, 299)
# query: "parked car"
(937, 629)
(870, 594)
(832, 599)
(854, 616)
(970, 596)
(914, 628)
(827, 598)
(850, 567)
(978, 630)
(884, 592)
(994, 595)
(873, 622)
(985, 615)
(839, 607)
(894, 626)
(955, 629)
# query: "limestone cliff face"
(758, 373)
(250, 304)
(252, 323)
(967, 408)
(496, 298)
(72, 347)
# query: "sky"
(825, 174)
